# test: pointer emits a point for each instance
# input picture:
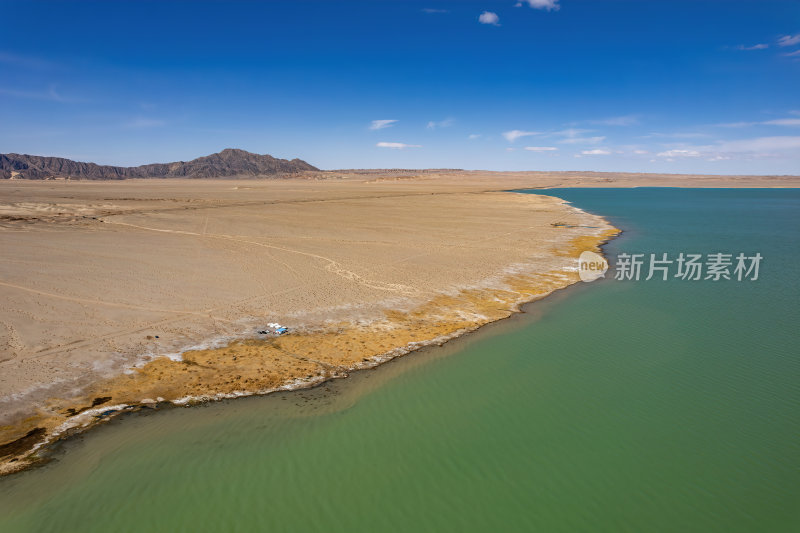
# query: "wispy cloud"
(596, 151)
(783, 122)
(760, 147)
(381, 124)
(446, 123)
(790, 40)
(736, 124)
(51, 95)
(513, 135)
(397, 146)
(549, 5)
(679, 153)
(488, 17)
(626, 120)
(583, 140)
(474, 136)
(541, 148)
(763, 145)
(577, 136)
(572, 132)
(434, 10)
(789, 122)
(678, 135)
(760, 46)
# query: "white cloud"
(583, 140)
(397, 146)
(759, 46)
(626, 120)
(793, 54)
(679, 153)
(783, 122)
(574, 136)
(380, 124)
(487, 17)
(474, 136)
(51, 94)
(736, 124)
(549, 5)
(760, 145)
(541, 148)
(513, 135)
(774, 122)
(446, 123)
(789, 40)
(596, 151)
(778, 146)
(433, 10)
(640, 152)
(571, 132)
(683, 134)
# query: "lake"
(612, 406)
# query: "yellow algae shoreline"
(296, 360)
(399, 270)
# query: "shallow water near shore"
(610, 406)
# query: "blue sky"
(628, 85)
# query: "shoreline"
(443, 318)
(41, 452)
(51, 451)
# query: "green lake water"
(611, 406)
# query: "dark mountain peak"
(230, 162)
(234, 151)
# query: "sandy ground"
(100, 280)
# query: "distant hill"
(227, 163)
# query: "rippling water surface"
(609, 407)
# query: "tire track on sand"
(331, 266)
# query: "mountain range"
(230, 162)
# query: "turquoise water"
(608, 407)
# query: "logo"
(591, 266)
